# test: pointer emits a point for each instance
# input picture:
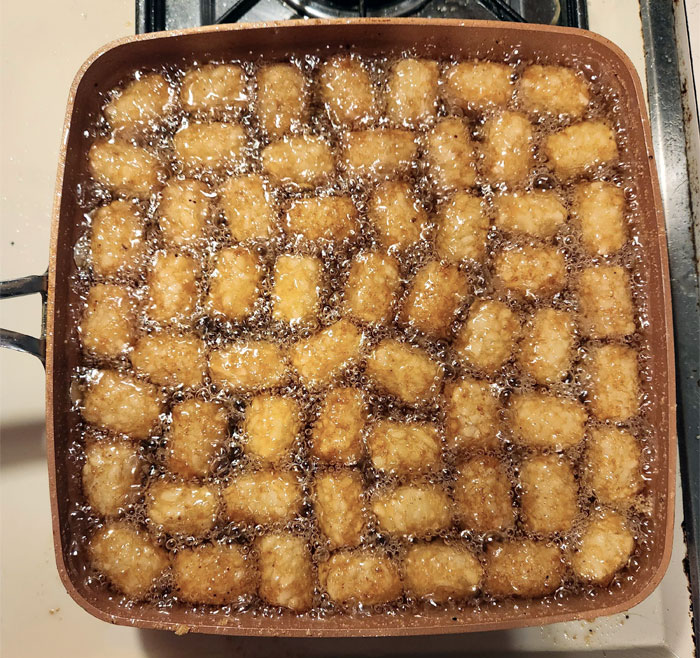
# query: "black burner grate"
(157, 15)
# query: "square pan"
(432, 38)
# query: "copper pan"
(434, 38)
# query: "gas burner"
(341, 9)
(155, 15)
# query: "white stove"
(42, 48)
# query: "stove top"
(157, 15)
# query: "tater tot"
(107, 327)
(297, 288)
(325, 354)
(547, 349)
(531, 272)
(122, 404)
(487, 339)
(507, 150)
(171, 290)
(605, 302)
(214, 87)
(372, 287)
(381, 152)
(329, 218)
(482, 495)
(336, 436)
(540, 420)
(131, 560)
(614, 386)
(143, 102)
(548, 494)
(600, 209)
(412, 91)
(183, 212)
(234, 284)
(112, 475)
(523, 568)
(339, 507)
(198, 430)
(127, 169)
(580, 148)
(412, 509)
(247, 365)
(117, 241)
(539, 213)
(406, 372)
(247, 207)
(346, 90)
(271, 427)
(604, 548)
(178, 507)
(471, 415)
(397, 215)
(362, 577)
(434, 295)
(303, 161)
(286, 571)
(476, 85)
(214, 574)
(451, 156)
(404, 447)
(210, 146)
(282, 102)
(553, 90)
(462, 228)
(171, 359)
(263, 497)
(613, 464)
(438, 571)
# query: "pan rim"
(368, 630)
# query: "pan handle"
(27, 285)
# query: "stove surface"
(38, 618)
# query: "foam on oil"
(217, 331)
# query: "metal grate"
(158, 15)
